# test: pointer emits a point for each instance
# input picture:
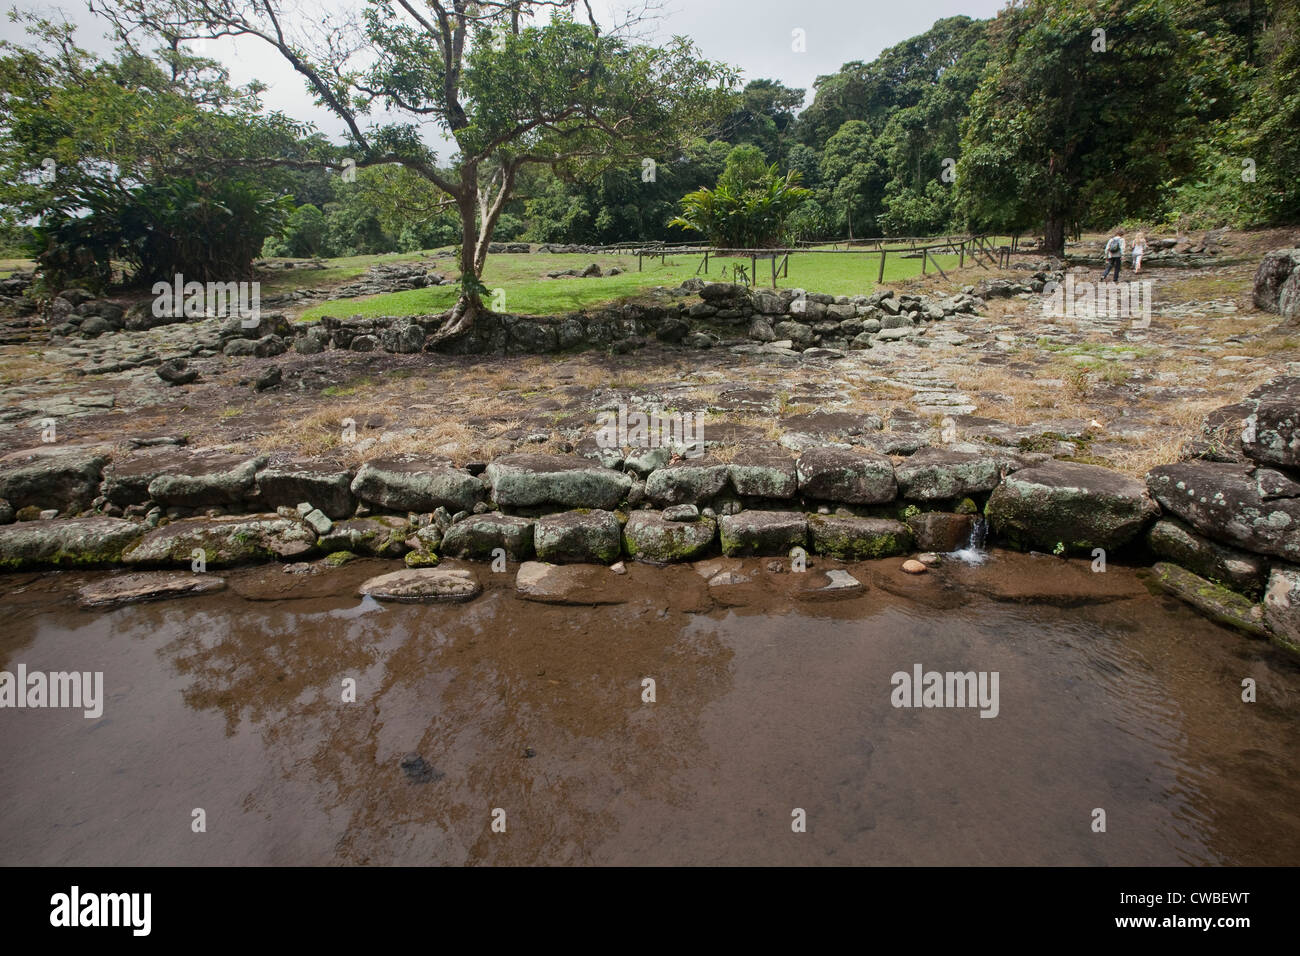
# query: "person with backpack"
(1114, 254)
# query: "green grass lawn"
(526, 292)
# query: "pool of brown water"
(768, 701)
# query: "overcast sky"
(755, 35)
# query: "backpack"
(1113, 247)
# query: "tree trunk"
(1054, 235)
(470, 304)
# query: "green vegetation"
(526, 293)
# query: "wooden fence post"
(881, 278)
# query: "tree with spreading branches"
(507, 82)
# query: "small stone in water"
(929, 559)
(912, 566)
(618, 568)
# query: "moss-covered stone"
(68, 543)
(858, 539)
(1213, 600)
(648, 537)
(762, 532)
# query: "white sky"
(754, 35)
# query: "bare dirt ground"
(1101, 392)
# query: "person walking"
(1139, 250)
(1114, 254)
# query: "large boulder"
(759, 473)
(686, 481)
(534, 480)
(1233, 504)
(1072, 506)
(478, 536)
(208, 480)
(651, 538)
(1270, 430)
(578, 537)
(1277, 283)
(847, 475)
(226, 541)
(763, 532)
(413, 485)
(938, 474)
(858, 539)
(64, 478)
(324, 485)
(66, 543)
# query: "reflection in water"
(765, 702)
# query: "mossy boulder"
(944, 474)
(651, 538)
(578, 537)
(416, 485)
(759, 473)
(65, 479)
(1239, 570)
(1213, 600)
(533, 480)
(231, 540)
(687, 481)
(383, 536)
(67, 543)
(847, 475)
(1065, 506)
(762, 532)
(477, 536)
(858, 539)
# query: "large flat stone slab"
(66, 543)
(847, 475)
(226, 541)
(1231, 504)
(533, 480)
(414, 485)
(573, 584)
(146, 586)
(1064, 504)
(419, 585)
(648, 537)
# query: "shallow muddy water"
(767, 700)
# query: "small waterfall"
(974, 552)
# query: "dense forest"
(1049, 118)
